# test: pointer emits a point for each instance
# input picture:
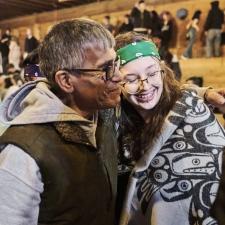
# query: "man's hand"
(216, 97)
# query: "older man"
(55, 167)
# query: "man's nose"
(117, 76)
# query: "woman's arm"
(215, 97)
(195, 24)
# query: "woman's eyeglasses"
(134, 84)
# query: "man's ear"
(64, 81)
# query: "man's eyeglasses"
(134, 84)
(106, 73)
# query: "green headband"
(136, 50)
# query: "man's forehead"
(99, 55)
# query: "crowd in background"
(161, 28)
(13, 62)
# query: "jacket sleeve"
(20, 185)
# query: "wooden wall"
(41, 23)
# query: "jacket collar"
(77, 132)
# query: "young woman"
(170, 142)
(192, 30)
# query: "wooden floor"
(212, 70)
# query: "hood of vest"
(34, 103)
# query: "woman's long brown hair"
(145, 134)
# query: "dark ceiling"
(14, 8)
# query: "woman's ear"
(64, 81)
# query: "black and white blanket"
(176, 180)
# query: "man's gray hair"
(64, 46)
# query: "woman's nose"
(144, 82)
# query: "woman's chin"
(146, 104)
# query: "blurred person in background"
(4, 48)
(213, 30)
(107, 24)
(30, 42)
(191, 35)
(223, 31)
(126, 25)
(155, 23)
(14, 53)
(140, 17)
(167, 56)
(166, 31)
